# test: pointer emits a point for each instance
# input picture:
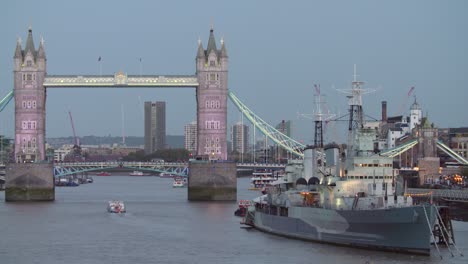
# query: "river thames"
(161, 226)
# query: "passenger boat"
(262, 178)
(137, 173)
(115, 206)
(166, 175)
(103, 173)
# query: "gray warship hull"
(397, 229)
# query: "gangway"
(279, 138)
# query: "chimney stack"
(384, 111)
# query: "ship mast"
(319, 117)
(356, 114)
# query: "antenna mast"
(356, 114)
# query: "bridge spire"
(30, 44)
(211, 43)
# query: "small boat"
(115, 206)
(137, 173)
(178, 183)
(103, 173)
(243, 205)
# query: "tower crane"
(76, 146)
(405, 102)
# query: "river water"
(161, 226)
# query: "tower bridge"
(210, 81)
(31, 82)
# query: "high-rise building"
(240, 138)
(155, 126)
(190, 132)
(284, 127)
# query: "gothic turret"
(18, 51)
(40, 51)
(201, 51)
(223, 49)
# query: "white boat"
(178, 183)
(115, 206)
(137, 173)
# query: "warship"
(356, 201)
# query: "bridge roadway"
(176, 168)
(119, 80)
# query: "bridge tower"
(30, 97)
(212, 93)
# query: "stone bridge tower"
(30, 97)
(212, 92)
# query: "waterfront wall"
(29, 182)
(212, 181)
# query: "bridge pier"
(29, 182)
(212, 181)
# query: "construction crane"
(405, 102)
(76, 146)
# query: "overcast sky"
(277, 51)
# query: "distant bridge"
(175, 168)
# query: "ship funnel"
(332, 156)
(310, 163)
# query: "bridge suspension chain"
(451, 153)
(279, 138)
(4, 102)
(399, 149)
